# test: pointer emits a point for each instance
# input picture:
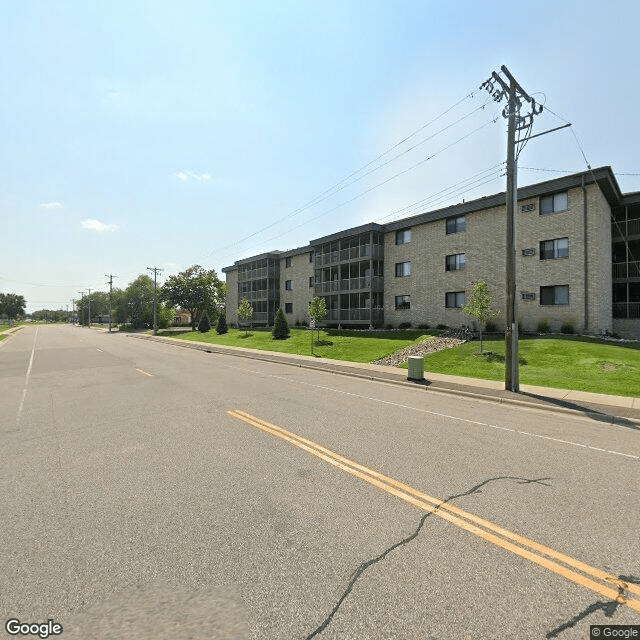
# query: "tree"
(196, 290)
(204, 325)
(245, 311)
(280, 326)
(479, 306)
(221, 326)
(12, 305)
(317, 312)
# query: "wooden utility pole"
(111, 277)
(155, 297)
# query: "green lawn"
(581, 364)
(354, 346)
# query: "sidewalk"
(605, 408)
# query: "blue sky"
(139, 134)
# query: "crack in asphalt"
(355, 576)
(608, 608)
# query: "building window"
(310, 256)
(457, 224)
(288, 286)
(455, 262)
(288, 307)
(403, 302)
(554, 203)
(403, 269)
(454, 299)
(310, 281)
(287, 262)
(403, 236)
(553, 249)
(554, 295)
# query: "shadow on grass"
(404, 334)
(245, 335)
(492, 356)
(323, 343)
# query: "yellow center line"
(489, 532)
(144, 373)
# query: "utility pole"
(111, 277)
(89, 298)
(155, 297)
(514, 94)
(73, 311)
(82, 301)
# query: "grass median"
(577, 363)
(352, 346)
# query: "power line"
(363, 193)
(339, 186)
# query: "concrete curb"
(353, 372)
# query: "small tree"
(479, 305)
(204, 325)
(317, 312)
(280, 326)
(221, 327)
(245, 311)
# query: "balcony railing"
(626, 269)
(350, 284)
(355, 315)
(626, 309)
(625, 228)
(363, 252)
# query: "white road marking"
(26, 379)
(433, 413)
(100, 350)
(145, 373)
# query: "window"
(310, 256)
(455, 262)
(403, 302)
(454, 299)
(457, 224)
(553, 249)
(554, 203)
(288, 307)
(310, 281)
(554, 295)
(287, 262)
(403, 269)
(403, 236)
(288, 285)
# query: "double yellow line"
(600, 582)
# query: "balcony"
(355, 315)
(625, 228)
(363, 252)
(626, 269)
(350, 284)
(626, 309)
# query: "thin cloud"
(184, 176)
(51, 205)
(96, 225)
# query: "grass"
(577, 363)
(352, 346)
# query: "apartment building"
(577, 261)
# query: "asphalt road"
(152, 491)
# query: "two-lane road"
(153, 491)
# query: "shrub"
(204, 325)
(404, 325)
(221, 327)
(490, 327)
(543, 326)
(280, 326)
(567, 327)
(442, 327)
(389, 327)
(423, 327)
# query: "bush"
(423, 327)
(280, 326)
(389, 327)
(490, 327)
(442, 327)
(404, 325)
(567, 327)
(204, 325)
(543, 326)
(221, 327)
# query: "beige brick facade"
(583, 217)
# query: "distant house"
(182, 318)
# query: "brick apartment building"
(577, 261)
